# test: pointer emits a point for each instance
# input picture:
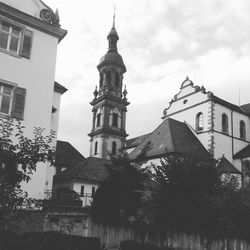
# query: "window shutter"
(27, 42)
(18, 103)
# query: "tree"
(18, 158)
(118, 198)
(189, 194)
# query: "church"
(196, 122)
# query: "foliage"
(18, 158)
(190, 195)
(118, 198)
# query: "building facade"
(29, 36)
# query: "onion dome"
(112, 57)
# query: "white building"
(29, 36)
(196, 122)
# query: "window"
(224, 123)
(12, 100)
(242, 130)
(101, 80)
(115, 120)
(108, 77)
(96, 148)
(117, 80)
(15, 39)
(98, 120)
(199, 121)
(82, 190)
(93, 191)
(114, 148)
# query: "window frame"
(115, 120)
(199, 119)
(224, 123)
(23, 30)
(242, 130)
(13, 86)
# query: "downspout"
(232, 128)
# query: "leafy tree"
(18, 158)
(189, 194)
(119, 197)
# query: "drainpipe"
(232, 128)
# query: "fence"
(112, 236)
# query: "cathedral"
(196, 122)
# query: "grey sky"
(161, 42)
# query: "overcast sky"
(161, 42)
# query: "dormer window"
(14, 38)
(224, 123)
(242, 130)
(199, 122)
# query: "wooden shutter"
(27, 43)
(18, 103)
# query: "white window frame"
(21, 37)
(11, 85)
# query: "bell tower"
(108, 133)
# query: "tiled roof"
(134, 142)
(226, 167)
(246, 108)
(243, 153)
(170, 137)
(67, 155)
(91, 169)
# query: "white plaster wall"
(31, 7)
(109, 142)
(222, 145)
(36, 75)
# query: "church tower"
(108, 133)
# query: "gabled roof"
(134, 142)
(171, 136)
(243, 153)
(226, 167)
(67, 155)
(91, 169)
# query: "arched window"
(115, 120)
(117, 80)
(242, 130)
(199, 121)
(98, 120)
(96, 148)
(101, 80)
(114, 148)
(109, 77)
(224, 123)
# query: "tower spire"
(113, 26)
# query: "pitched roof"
(243, 153)
(91, 169)
(225, 166)
(134, 142)
(246, 108)
(67, 155)
(232, 106)
(170, 137)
